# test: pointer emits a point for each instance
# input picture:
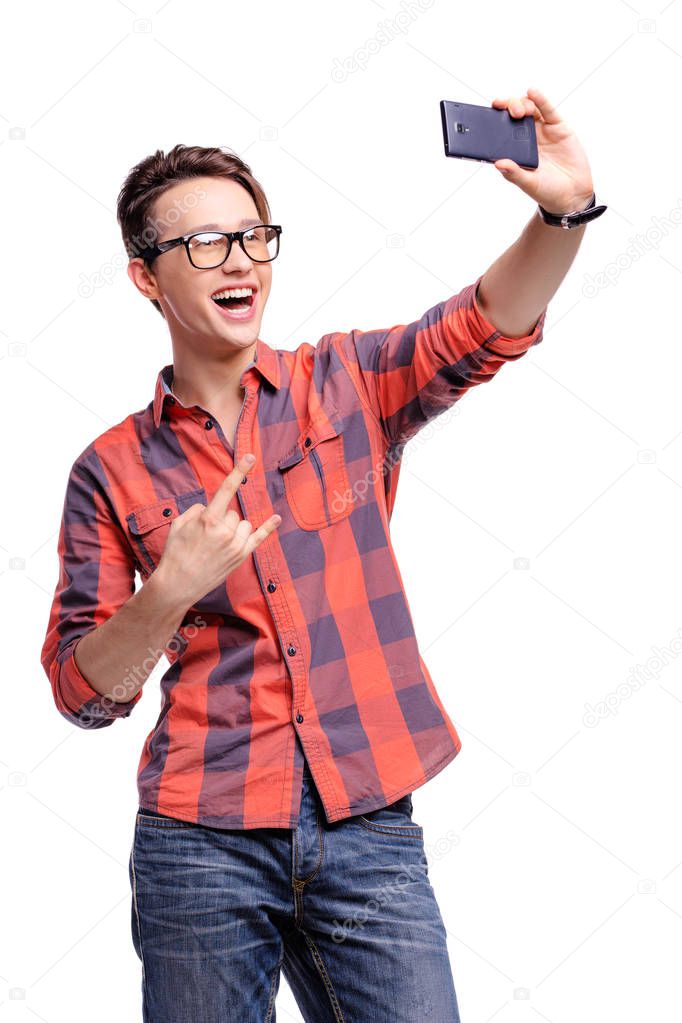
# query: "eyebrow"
(246, 222)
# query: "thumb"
(509, 169)
(523, 179)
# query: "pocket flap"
(150, 516)
(314, 433)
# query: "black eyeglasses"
(208, 249)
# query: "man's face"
(183, 291)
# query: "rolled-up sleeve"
(409, 374)
(96, 577)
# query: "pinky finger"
(262, 533)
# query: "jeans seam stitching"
(326, 980)
(137, 918)
(271, 999)
(410, 830)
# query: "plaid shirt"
(308, 648)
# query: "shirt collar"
(265, 361)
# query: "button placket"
(283, 622)
(279, 609)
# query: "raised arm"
(409, 374)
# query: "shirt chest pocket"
(316, 478)
(149, 525)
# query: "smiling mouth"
(237, 304)
(237, 309)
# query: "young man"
(254, 495)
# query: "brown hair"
(150, 178)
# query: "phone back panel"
(485, 133)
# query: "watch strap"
(574, 219)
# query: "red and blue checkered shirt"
(308, 648)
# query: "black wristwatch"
(575, 219)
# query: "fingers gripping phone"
(486, 134)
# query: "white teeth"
(234, 293)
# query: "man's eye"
(207, 240)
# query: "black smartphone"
(486, 134)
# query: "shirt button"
(272, 587)
(307, 442)
(167, 511)
(208, 425)
(171, 400)
(243, 479)
(299, 718)
(291, 650)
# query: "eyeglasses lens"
(208, 249)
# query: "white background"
(562, 894)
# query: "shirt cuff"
(491, 338)
(84, 702)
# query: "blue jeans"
(346, 910)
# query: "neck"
(210, 383)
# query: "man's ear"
(143, 277)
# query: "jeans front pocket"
(394, 819)
(160, 820)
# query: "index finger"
(549, 113)
(220, 501)
(517, 106)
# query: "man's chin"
(241, 337)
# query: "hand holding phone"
(486, 134)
